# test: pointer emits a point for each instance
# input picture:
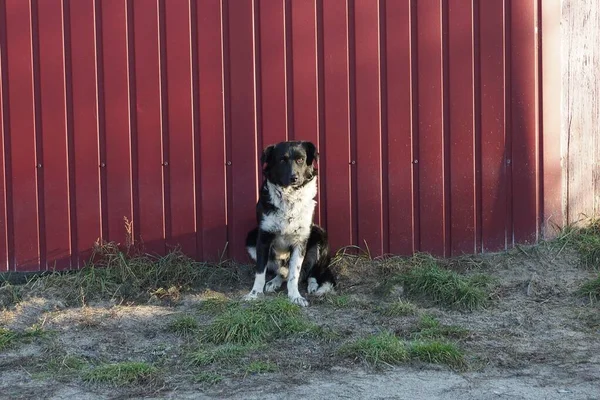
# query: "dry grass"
(115, 275)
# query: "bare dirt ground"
(537, 339)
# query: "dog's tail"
(251, 243)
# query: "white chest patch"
(294, 210)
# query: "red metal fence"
(428, 115)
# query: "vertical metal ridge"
(321, 109)
(258, 87)
(133, 123)
(39, 145)
(200, 252)
(477, 127)
(227, 120)
(8, 211)
(383, 115)
(101, 118)
(446, 148)
(72, 199)
(164, 117)
(289, 69)
(352, 108)
(414, 89)
(509, 228)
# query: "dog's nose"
(293, 179)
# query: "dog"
(286, 241)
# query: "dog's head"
(290, 163)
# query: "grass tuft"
(208, 378)
(126, 373)
(586, 240)
(437, 352)
(256, 322)
(381, 348)
(184, 325)
(430, 328)
(591, 289)
(399, 308)
(444, 287)
(261, 367)
(7, 338)
(222, 354)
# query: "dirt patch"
(537, 338)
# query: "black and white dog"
(286, 241)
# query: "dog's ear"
(267, 155)
(311, 152)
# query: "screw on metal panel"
(39, 166)
(352, 162)
(415, 161)
(102, 165)
(508, 161)
(228, 162)
(166, 163)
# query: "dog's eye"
(300, 160)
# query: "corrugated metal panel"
(428, 116)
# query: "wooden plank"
(400, 56)
(493, 126)
(22, 133)
(148, 113)
(117, 131)
(431, 128)
(212, 129)
(581, 104)
(242, 144)
(305, 81)
(337, 123)
(463, 201)
(368, 126)
(54, 135)
(524, 101)
(552, 183)
(180, 126)
(85, 125)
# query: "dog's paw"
(312, 285)
(273, 285)
(325, 288)
(299, 300)
(253, 295)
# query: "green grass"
(445, 287)
(208, 378)
(125, 373)
(386, 348)
(591, 289)
(227, 353)
(586, 240)
(63, 365)
(399, 308)
(261, 367)
(7, 338)
(383, 348)
(437, 352)
(430, 328)
(215, 305)
(184, 325)
(257, 322)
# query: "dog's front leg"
(296, 260)
(263, 245)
